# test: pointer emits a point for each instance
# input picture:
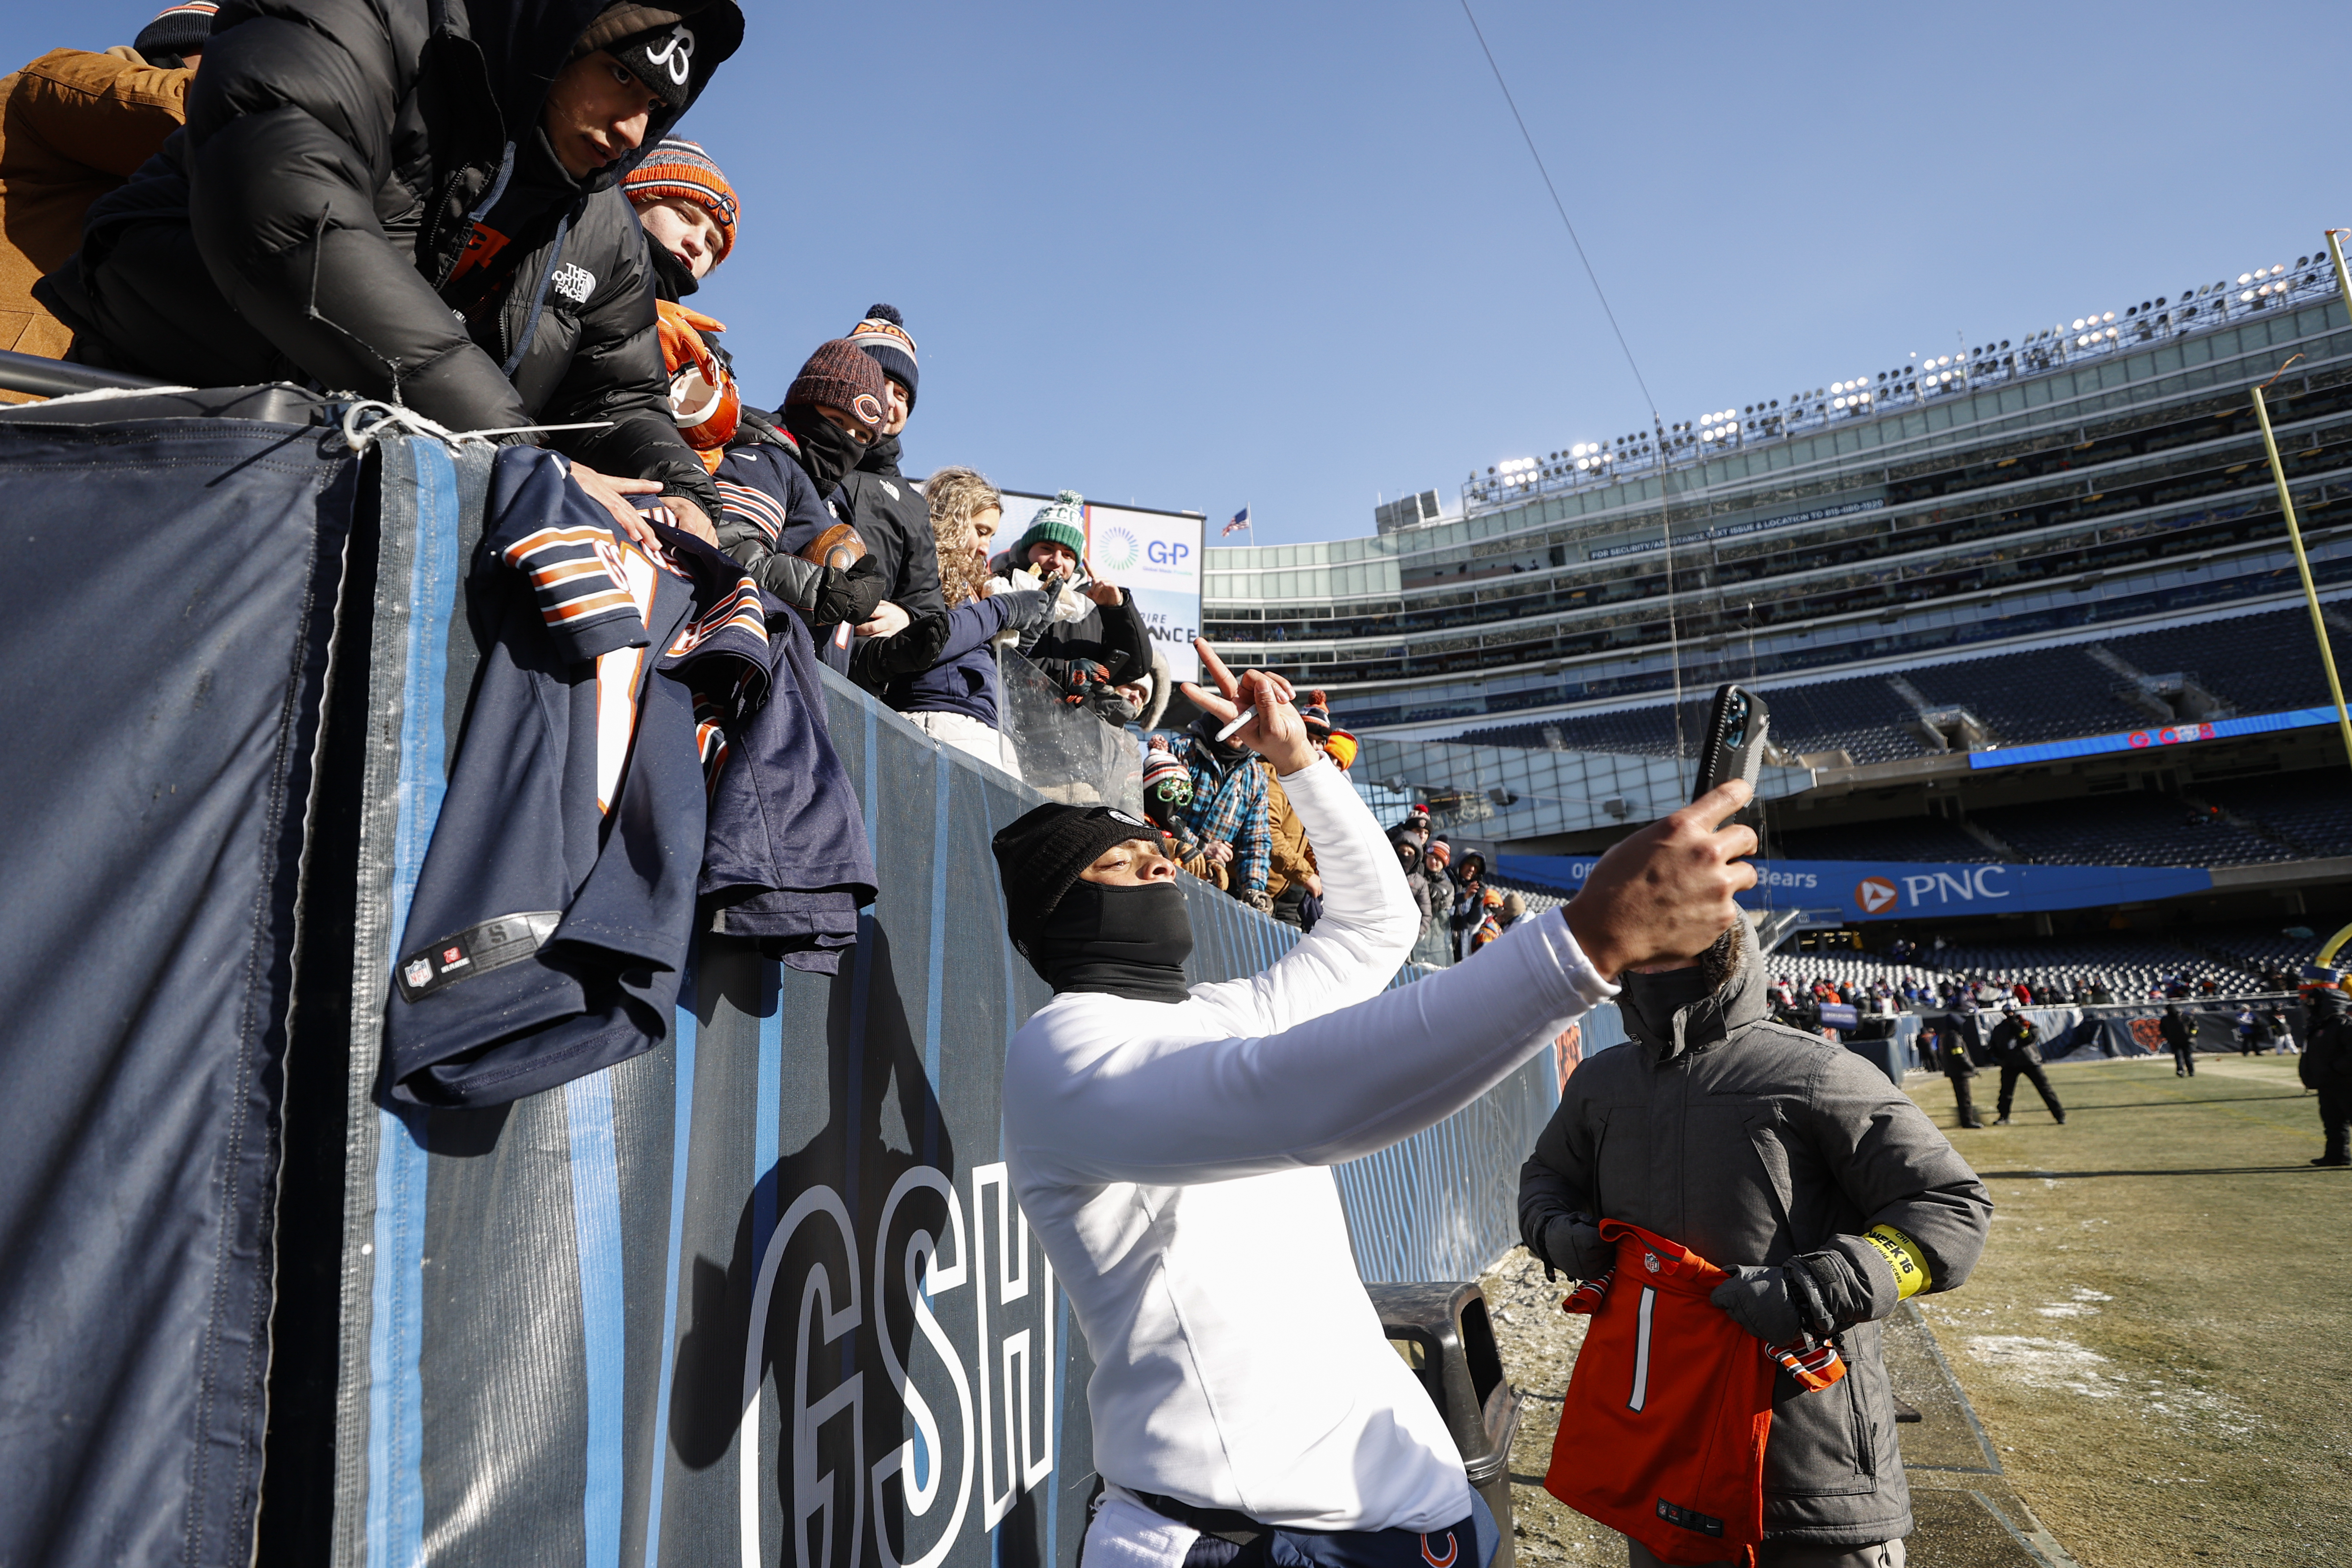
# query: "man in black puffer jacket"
(1794, 1164)
(415, 200)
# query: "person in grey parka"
(1795, 1165)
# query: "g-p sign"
(1167, 551)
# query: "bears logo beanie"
(1039, 856)
(841, 375)
(679, 170)
(883, 334)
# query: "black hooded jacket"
(311, 222)
(1749, 1143)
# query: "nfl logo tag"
(1650, 1261)
(418, 972)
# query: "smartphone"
(1733, 745)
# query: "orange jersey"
(1661, 1434)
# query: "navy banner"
(1898, 889)
(165, 622)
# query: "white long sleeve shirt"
(1174, 1158)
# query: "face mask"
(1129, 941)
(827, 452)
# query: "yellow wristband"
(1902, 1255)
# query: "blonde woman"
(955, 700)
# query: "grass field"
(2156, 1342)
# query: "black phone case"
(1733, 745)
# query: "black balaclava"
(1079, 935)
(1129, 941)
(882, 457)
(827, 452)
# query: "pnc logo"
(1875, 895)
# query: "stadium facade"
(1942, 576)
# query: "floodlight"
(2245, 277)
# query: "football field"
(2152, 1365)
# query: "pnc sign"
(1901, 890)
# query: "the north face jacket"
(1751, 1143)
(327, 214)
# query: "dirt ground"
(2156, 1349)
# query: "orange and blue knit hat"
(680, 170)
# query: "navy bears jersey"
(550, 921)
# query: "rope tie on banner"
(366, 420)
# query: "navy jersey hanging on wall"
(552, 914)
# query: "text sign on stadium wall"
(1154, 555)
(2145, 740)
(1906, 889)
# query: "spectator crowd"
(295, 196)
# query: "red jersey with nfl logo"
(1661, 1434)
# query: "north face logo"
(575, 282)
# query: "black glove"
(1758, 1300)
(1573, 1244)
(1025, 607)
(850, 593)
(913, 650)
(1816, 1293)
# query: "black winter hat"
(176, 29)
(658, 43)
(883, 334)
(1040, 852)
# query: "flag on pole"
(1240, 520)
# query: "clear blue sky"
(1296, 255)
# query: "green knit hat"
(1062, 520)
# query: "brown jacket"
(1289, 856)
(73, 126)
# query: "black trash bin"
(1444, 1334)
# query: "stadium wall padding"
(760, 1295)
(165, 621)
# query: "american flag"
(1240, 520)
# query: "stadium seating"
(2265, 663)
(2138, 829)
(1903, 839)
(2262, 663)
(2312, 811)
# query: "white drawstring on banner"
(360, 432)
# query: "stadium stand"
(2131, 969)
(2050, 694)
(2265, 663)
(2262, 663)
(2133, 829)
(2310, 813)
(1905, 838)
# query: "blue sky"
(1295, 256)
